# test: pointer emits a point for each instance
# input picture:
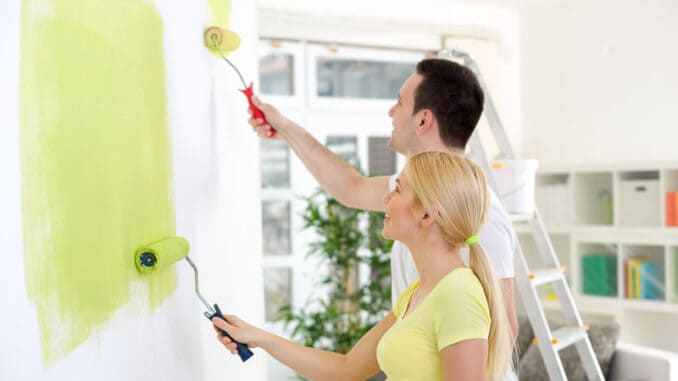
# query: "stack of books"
(643, 279)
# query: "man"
(438, 108)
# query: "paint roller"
(218, 41)
(163, 253)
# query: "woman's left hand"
(239, 330)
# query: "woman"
(450, 324)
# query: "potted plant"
(348, 240)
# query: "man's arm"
(339, 179)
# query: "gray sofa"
(618, 361)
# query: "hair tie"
(472, 239)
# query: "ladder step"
(544, 276)
(565, 336)
(520, 217)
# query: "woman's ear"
(427, 220)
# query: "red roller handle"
(256, 113)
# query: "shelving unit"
(605, 216)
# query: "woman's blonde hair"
(453, 190)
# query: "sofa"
(618, 361)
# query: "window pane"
(346, 78)
(275, 164)
(277, 290)
(276, 74)
(344, 146)
(382, 159)
(275, 216)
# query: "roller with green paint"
(220, 41)
(163, 253)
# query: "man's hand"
(275, 120)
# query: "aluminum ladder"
(549, 342)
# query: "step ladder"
(527, 281)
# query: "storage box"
(639, 203)
(599, 274)
(515, 184)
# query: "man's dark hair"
(453, 94)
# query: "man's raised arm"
(338, 178)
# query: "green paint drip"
(220, 12)
(96, 162)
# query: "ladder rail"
(548, 344)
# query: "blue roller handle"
(243, 351)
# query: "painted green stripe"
(220, 12)
(96, 163)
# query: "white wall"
(599, 81)
(217, 206)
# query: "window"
(352, 78)
(275, 164)
(276, 73)
(277, 290)
(275, 216)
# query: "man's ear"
(426, 121)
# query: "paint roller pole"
(165, 252)
(220, 40)
(243, 351)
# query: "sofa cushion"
(603, 337)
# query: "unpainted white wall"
(599, 81)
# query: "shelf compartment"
(642, 272)
(639, 198)
(598, 269)
(593, 198)
(554, 198)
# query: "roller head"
(221, 40)
(160, 254)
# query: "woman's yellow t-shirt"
(455, 310)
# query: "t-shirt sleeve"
(462, 313)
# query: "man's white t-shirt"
(496, 236)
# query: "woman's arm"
(465, 360)
(360, 363)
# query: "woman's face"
(400, 222)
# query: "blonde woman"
(451, 323)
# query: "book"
(651, 284)
(671, 209)
(599, 274)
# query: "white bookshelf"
(615, 210)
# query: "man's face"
(404, 122)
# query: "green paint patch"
(220, 12)
(96, 162)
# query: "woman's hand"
(238, 330)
